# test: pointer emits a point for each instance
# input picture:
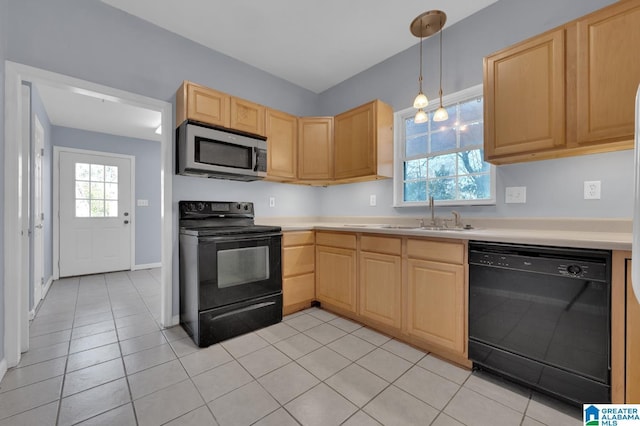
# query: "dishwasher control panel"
(542, 263)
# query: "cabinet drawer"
(381, 244)
(298, 289)
(298, 260)
(439, 251)
(336, 240)
(297, 238)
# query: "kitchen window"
(443, 159)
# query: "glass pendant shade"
(420, 101)
(440, 114)
(421, 117)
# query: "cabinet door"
(315, 148)
(608, 73)
(380, 288)
(633, 343)
(207, 105)
(354, 143)
(436, 304)
(247, 116)
(336, 277)
(282, 137)
(524, 97)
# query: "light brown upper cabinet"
(282, 138)
(247, 116)
(315, 148)
(525, 96)
(363, 142)
(608, 73)
(569, 91)
(199, 103)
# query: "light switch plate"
(515, 195)
(143, 203)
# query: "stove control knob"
(574, 269)
(246, 207)
(200, 206)
(238, 206)
(192, 207)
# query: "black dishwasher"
(541, 316)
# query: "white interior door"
(95, 213)
(38, 213)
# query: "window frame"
(399, 153)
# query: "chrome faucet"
(457, 219)
(433, 213)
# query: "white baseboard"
(47, 287)
(146, 266)
(175, 320)
(3, 368)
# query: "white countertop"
(598, 234)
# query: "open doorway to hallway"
(17, 287)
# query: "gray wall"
(147, 181)
(37, 108)
(554, 187)
(4, 36)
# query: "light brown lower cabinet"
(435, 302)
(625, 333)
(298, 270)
(633, 342)
(412, 289)
(380, 280)
(336, 270)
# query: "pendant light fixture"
(421, 100)
(441, 113)
(423, 26)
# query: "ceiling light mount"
(428, 23)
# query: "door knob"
(126, 213)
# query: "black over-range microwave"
(219, 153)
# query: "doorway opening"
(16, 220)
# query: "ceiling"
(91, 111)
(313, 44)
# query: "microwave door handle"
(255, 158)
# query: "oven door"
(236, 268)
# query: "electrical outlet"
(592, 190)
(515, 195)
(272, 201)
(372, 200)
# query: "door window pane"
(96, 190)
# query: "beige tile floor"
(98, 357)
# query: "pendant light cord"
(420, 76)
(440, 64)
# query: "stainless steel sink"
(399, 227)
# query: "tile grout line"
(124, 367)
(66, 363)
